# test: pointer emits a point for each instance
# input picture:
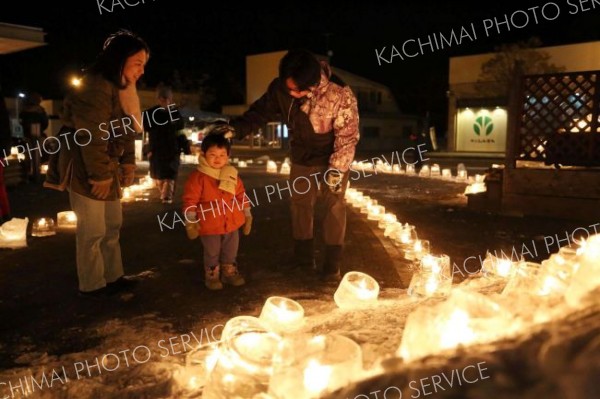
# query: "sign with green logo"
(481, 130)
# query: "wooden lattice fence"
(558, 119)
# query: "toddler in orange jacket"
(216, 206)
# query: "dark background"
(211, 40)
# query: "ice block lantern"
(392, 230)
(387, 220)
(147, 182)
(361, 200)
(43, 227)
(475, 188)
(425, 171)
(66, 220)
(433, 278)
(406, 236)
(461, 172)
(285, 168)
(13, 234)
(587, 277)
(356, 290)
(410, 170)
(525, 278)
(271, 167)
(465, 318)
(446, 174)
(242, 164)
(244, 364)
(199, 363)
(367, 203)
(376, 212)
(417, 250)
(563, 264)
(435, 170)
(127, 195)
(308, 367)
(353, 196)
(495, 266)
(396, 169)
(282, 315)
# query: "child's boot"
(231, 275)
(211, 278)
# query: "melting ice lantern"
(66, 220)
(244, 364)
(433, 278)
(306, 367)
(43, 227)
(271, 167)
(465, 318)
(282, 315)
(13, 234)
(356, 290)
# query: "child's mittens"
(248, 223)
(191, 225)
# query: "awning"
(14, 38)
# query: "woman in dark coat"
(165, 142)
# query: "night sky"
(197, 38)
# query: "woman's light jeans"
(98, 248)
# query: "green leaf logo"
(483, 123)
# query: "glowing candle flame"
(193, 383)
(457, 330)
(363, 291)
(316, 377)
(211, 360)
(549, 285)
(503, 267)
(418, 246)
(431, 285)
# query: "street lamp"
(75, 81)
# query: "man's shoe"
(304, 255)
(333, 262)
(121, 284)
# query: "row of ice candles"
(426, 171)
(403, 234)
(138, 192)
(328, 371)
(44, 227)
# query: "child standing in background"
(214, 206)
